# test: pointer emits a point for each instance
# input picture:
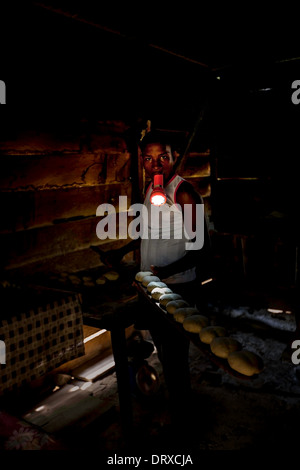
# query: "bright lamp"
(158, 196)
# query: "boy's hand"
(160, 271)
(154, 269)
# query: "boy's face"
(158, 159)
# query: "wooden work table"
(125, 315)
(122, 312)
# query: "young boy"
(169, 259)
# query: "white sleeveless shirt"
(166, 238)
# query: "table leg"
(118, 340)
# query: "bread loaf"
(181, 314)
(208, 333)
(154, 284)
(147, 279)
(139, 276)
(222, 346)
(157, 292)
(195, 322)
(89, 284)
(245, 362)
(74, 279)
(174, 304)
(165, 298)
(111, 275)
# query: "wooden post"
(181, 160)
(118, 341)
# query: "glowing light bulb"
(158, 196)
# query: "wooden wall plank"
(33, 142)
(31, 209)
(194, 169)
(28, 246)
(199, 154)
(51, 184)
(33, 172)
(72, 262)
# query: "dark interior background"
(65, 63)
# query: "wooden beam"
(20, 248)
(70, 263)
(80, 18)
(108, 140)
(34, 172)
(181, 161)
(195, 171)
(31, 209)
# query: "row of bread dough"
(223, 346)
(241, 360)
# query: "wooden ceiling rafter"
(76, 17)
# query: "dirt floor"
(225, 413)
